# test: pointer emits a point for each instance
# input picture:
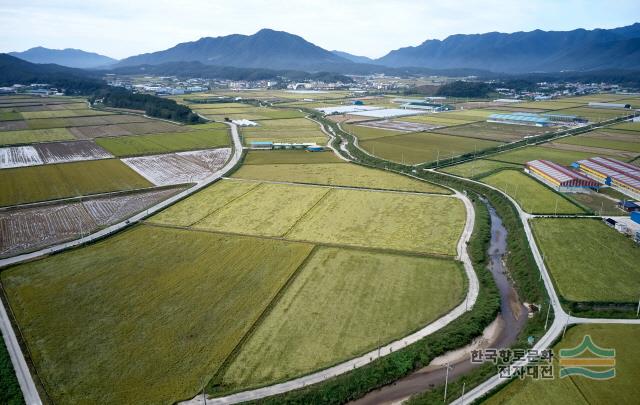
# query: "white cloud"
(122, 28)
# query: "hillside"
(520, 52)
(266, 49)
(75, 58)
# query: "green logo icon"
(600, 366)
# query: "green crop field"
(438, 119)
(494, 131)
(551, 105)
(28, 115)
(35, 135)
(478, 168)
(623, 389)
(597, 202)
(265, 210)
(373, 219)
(364, 133)
(164, 143)
(285, 130)
(336, 174)
(248, 112)
(596, 114)
(10, 393)
(588, 260)
(532, 195)
(47, 182)
(547, 152)
(607, 140)
(260, 157)
(144, 316)
(423, 147)
(341, 304)
(10, 116)
(628, 126)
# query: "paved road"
(561, 317)
(466, 305)
(17, 359)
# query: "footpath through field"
(25, 380)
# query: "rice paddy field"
(582, 390)
(588, 260)
(620, 140)
(48, 182)
(563, 155)
(219, 113)
(32, 136)
(494, 131)
(628, 126)
(258, 157)
(287, 343)
(131, 319)
(533, 196)
(285, 130)
(123, 146)
(423, 147)
(335, 174)
(364, 133)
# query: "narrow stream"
(507, 326)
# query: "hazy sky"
(120, 28)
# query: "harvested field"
(48, 182)
(573, 250)
(37, 135)
(13, 125)
(60, 152)
(19, 156)
(70, 310)
(336, 174)
(437, 120)
(591, 150)
(27, 229)
(422, 147)
(344, 303)
(494, 131)
(164, 143)
(373, 219)
(110, 210)
(23, 230)
(181, 167)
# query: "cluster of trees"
(465, 89)
(152, 106)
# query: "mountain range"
(519, 52)
(69, 57)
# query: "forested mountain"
(65, 57)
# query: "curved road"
(25, 379)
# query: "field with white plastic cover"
(181, 167)
(19, 156)
(59, 152)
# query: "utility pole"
(462, 398)
(446, 382)
(638, 310)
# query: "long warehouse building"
(560, 178)
(614, 173)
